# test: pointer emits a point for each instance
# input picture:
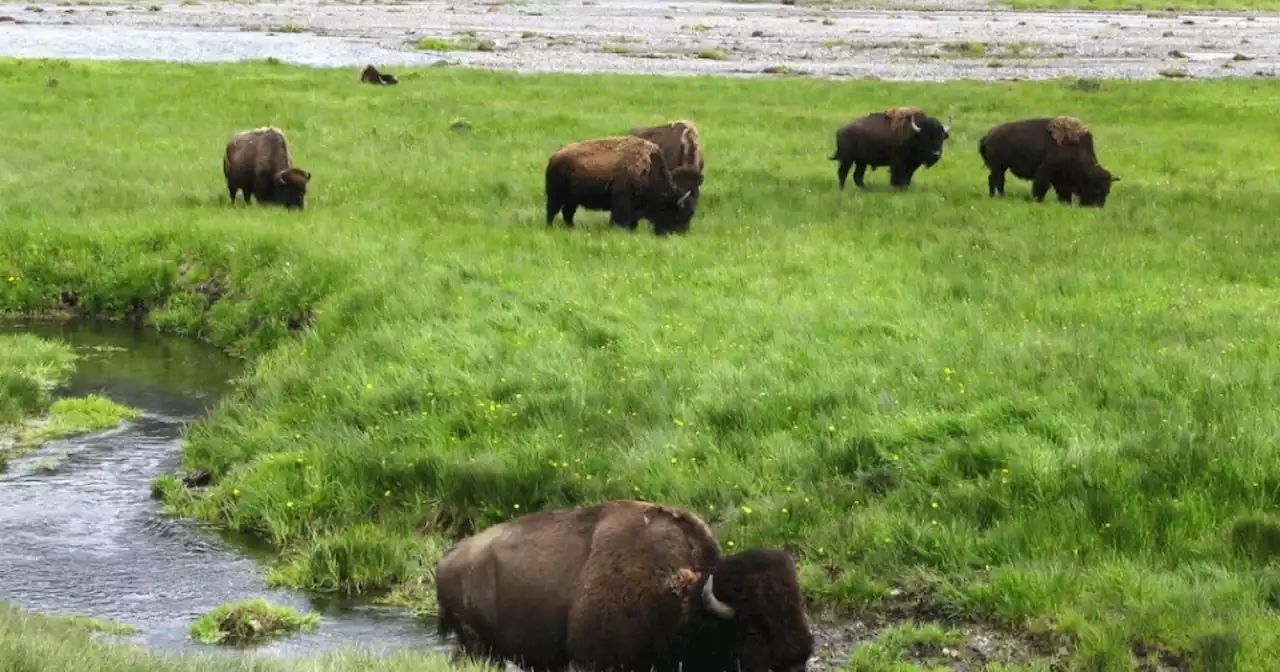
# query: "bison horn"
(947, 128)
(714, 605)
(914, 126)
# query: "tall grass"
(1052, 417)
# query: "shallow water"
(86, 538)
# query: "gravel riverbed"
(946, 39)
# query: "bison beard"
(623, 585)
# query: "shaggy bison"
(258, 163)
(370, 75)
(903, 138)
(623, 586)
(679, 140)
(1055, 151)
(628, 177)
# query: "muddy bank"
(82, 535)
(950, 39)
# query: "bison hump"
(1067, 130)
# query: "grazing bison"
(1050, 151)
(628, 177)
(258, 163)
(903, 138)
(370, 75)
(622, 586)
(679, 140)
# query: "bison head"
(291, 185)
(754, 614)
(1096, 186)
(927, 137)
(675, 213)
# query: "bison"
(370, 75)
(628, 177)
(624, 586)
(903, 138)
(1050, 151)
(258, 163)
(679, 140)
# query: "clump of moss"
(249, 622)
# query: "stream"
(80, 534)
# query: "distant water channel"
(80, 534)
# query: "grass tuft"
(250, 622)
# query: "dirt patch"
(915, 626)
(947, 39)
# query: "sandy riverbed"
(946, 40)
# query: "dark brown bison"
(628, 177)
(679, 140)
(622, 586)
(1049, 151)
(258, 163)
(903, 138)
(370, 75)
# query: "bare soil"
(928, 40)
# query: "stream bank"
(83, 536)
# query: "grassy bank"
(33, 642)
(30, 368)
(1048, 416)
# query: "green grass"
(69, 417)
(250, 622)
(102, 625)
(29, 368)
(1037, 415)
(34, 642)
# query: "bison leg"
(995, 182)
(568, 210)
(858, 173)
(900, 176)
(620, 211)
(842, 172)
(1063, 191)
(1040, 186)
(232, 191)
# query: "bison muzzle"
(902, 138)
(624, 586)
(1049, 151)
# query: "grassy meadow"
(1056, 419)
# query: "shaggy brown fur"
(681, 145)
(621, 585)
(1067, 130)
(370, 75)
(1051, 152)
(625, 175)
(900, 119)
(258, 163)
